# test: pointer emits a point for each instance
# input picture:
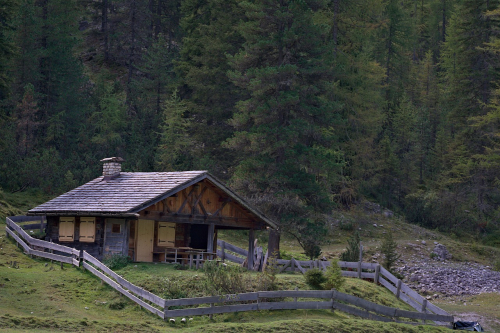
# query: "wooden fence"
(160, 306)
(76, 257)
(362, 270)
(275, 300)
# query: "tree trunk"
(273, 246)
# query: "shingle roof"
(119, 195)
(129, 193)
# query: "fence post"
(223, 248)
(292, 264)
(360, 259)
(295, 298)
(81, 260)
(398, 291)
(211, 316)
(377, 274)
(424, 306)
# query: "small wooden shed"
(149, 216)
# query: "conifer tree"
(280, 128)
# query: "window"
(116, 228)
(87, 229)
(66, 229)
(166, 234)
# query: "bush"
(223, 279)
(352, 251)
(389, 250)
(315, 278)
(267, 281)
(333, 276)
(116, 261)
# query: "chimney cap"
(113, 159)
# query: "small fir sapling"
(389, 250)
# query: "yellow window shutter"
(166, 234)
(87, 229)
(66, 229)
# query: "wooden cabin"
(149, 216)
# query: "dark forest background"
(302, 106)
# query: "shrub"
(315, 278)
(352, 251)
(223, 279)
(116, 261)
(389, 250)
(267, 281)
(333, 276)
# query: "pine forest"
(301, 106)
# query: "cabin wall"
(116, 237)
(95, 248)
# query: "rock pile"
(451, 279)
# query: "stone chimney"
(111, 168)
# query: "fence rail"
(259, 300)
(363, 270)
(263, 300)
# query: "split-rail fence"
(254, 301)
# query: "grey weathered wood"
(366, 275)
(256, 266)
(388, 276)
(211, 310)
(296, 293)
(347, 264)
(56, 257)
(377, 274)
(369, 265)
(212, 299)
(285, 266)
(311, 305)
(234, 258)
(144, 294)
(360, 313)
(424, 307)
(437, 310)
(235, 249)
(37, 242)
(222, 254)
(251, 239)
(117, 287)
(350, 273)
(359, 269)
(25, 246)
(210, 237)
(398, 288)
(410, 292)
(264, 263)
(19, 219)
(302, 270)
(386, 284)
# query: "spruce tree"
(281, 129)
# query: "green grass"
(18, 203)
(40, 296)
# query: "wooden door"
(145, 235)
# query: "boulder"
(441, 253)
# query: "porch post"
(251, 237)
(210, 240)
